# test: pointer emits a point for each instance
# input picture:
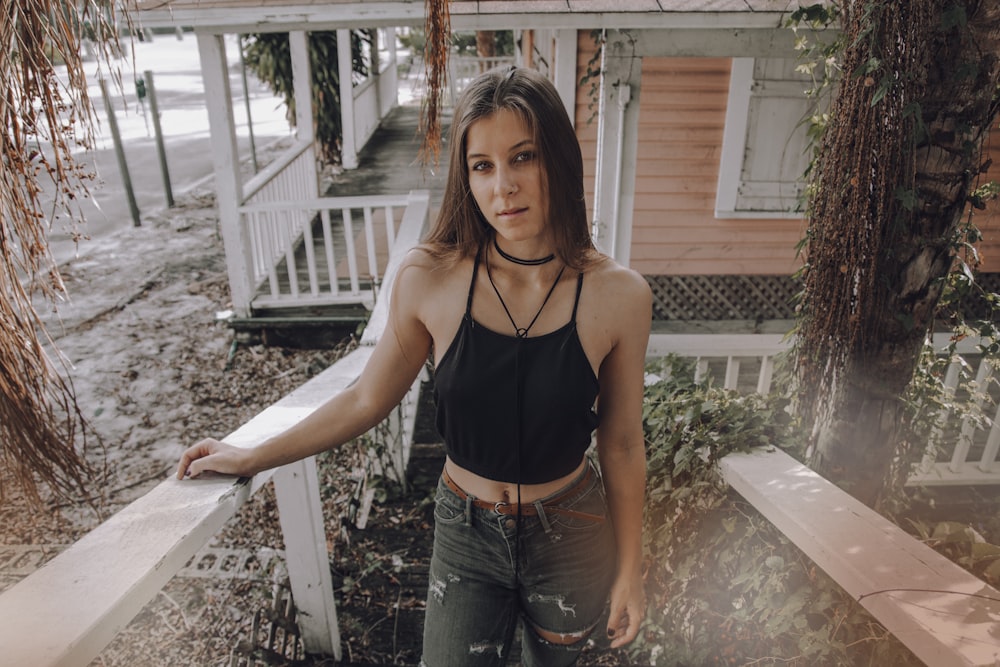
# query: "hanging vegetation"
(436, 50)
(864, 184)
(269, 57)
(45, 119)
(893, 175)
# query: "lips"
(511, 211)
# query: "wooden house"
(691, 122)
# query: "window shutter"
(764, 152)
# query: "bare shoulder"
(616, 309)
(425, 284)
(419, 270)
(619, 290)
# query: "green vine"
(592, 73)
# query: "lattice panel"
(723, 297)
(976, 306)
(713, 298)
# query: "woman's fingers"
(193, 461)
(625, 615)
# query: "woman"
(538, 342)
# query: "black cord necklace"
(523, 262)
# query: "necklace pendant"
(522, 332)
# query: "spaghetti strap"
(576, 302)
(472, 284)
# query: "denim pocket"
(448, 507)
(591, 502)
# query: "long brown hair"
(460, 229)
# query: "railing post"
(300, 513)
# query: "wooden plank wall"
(682, 112)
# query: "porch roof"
(265, 15)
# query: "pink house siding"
(675, 231)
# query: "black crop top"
(489, 384)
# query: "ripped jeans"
(476, 594)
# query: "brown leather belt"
(550, 505)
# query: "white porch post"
(349, 148)
(300, 513)
(392, 71)
(617, 147)
(564, 69)
(305, 117)
(228, 186)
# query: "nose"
(506, 183)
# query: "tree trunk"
(486, 43)
(946, 73)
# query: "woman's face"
(506, 177)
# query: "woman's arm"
(620, 446)
(397, 358)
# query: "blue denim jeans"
(553, 571)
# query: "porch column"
(392, 72)
(225, 156)
(564, 70)
(349, 148)
(305, 116)
(617, 147)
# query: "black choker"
(522, 262)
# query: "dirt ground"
(154, 370)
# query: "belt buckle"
(497, 507)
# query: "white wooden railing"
(725, 355)
(272, 233)
(355, 235)
(463, 69)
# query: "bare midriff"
(506, 492)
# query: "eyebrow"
(517, 146)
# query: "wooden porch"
(315, 263)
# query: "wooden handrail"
(942, 613)
(66, 612)
(273, 170)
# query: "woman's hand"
(212, 455)
(628, 607)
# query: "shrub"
(724, 585)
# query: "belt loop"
(468, 510)
(542, 517)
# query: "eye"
(480, 165)
(524, 156)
